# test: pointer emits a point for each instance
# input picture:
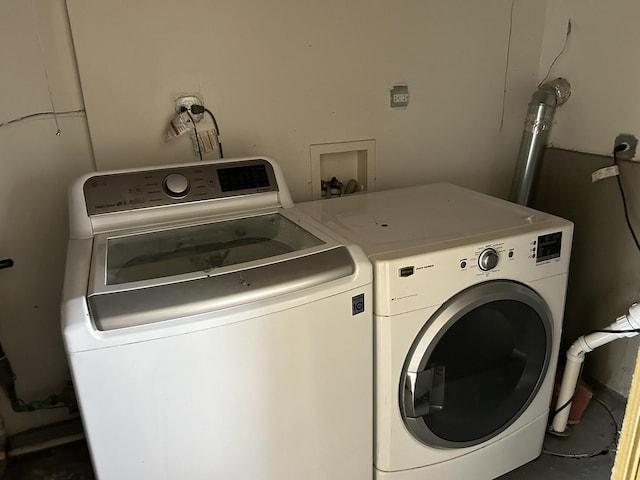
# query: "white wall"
(285, 74)
(601, 64)
(37, 166)
(280, 76)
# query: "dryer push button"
(488, 259)
(406, 271)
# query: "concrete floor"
(590, 450)
(66, 462)
(595, 435)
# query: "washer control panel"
(118, 192)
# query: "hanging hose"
(542, 106)
(8, 383)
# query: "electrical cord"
(564, 47)
(622, 148)
(506, 67)
(632, 330)
(41, 114)
(603, 451)
(199, 109)
(195, 132)
(566, 404)
(8, 384)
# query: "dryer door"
(476, 364)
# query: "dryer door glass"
(476, 365)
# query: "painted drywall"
(280, 77)
(286, 75)
(604, 278)
(37, 166)
(283, 75)
(600, 62)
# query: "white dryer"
(469, 294)
(213, 331)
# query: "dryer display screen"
(549, 246)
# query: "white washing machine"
(213, 331)
(469, 294)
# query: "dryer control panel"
(548, 246)
(429, 276)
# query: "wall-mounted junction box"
(399, 96)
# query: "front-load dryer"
(469, 294)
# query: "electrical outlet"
(399, 96)
(185, 101)
(631, 143)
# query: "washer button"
(176, 185)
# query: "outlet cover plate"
(399, 96)
(630, 140)
(186, 101)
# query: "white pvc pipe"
(575, 357)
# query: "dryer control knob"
(488, 259)
(176, 185)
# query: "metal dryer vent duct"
(537, 126)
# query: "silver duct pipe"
(537, 126)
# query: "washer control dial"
(176, 185)
(488, 259)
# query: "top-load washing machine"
(469, 294)
(213, 331)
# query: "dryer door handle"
(424, 391)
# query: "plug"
(187, 102)
(621, 147)
(197, 109)
(624, 146)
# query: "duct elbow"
(553, 93)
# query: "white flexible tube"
(575, 357)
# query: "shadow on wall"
(604, 278)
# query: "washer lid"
(110, 311)
(201, 248)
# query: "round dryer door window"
(476, 364)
